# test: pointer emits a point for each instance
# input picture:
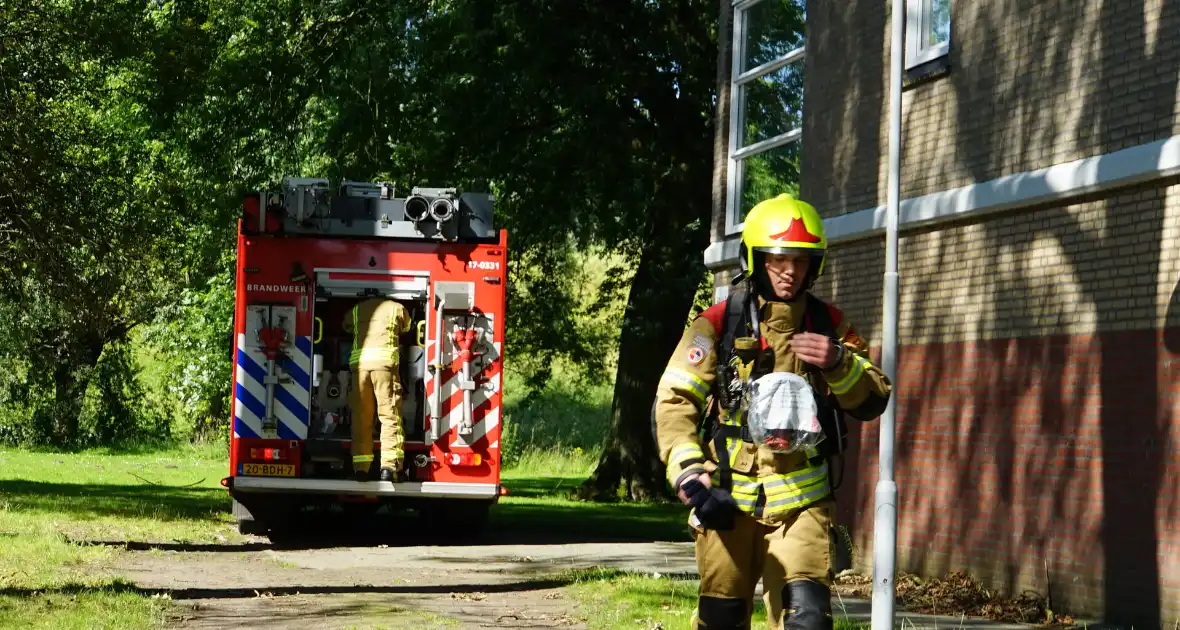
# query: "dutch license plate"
(268, 470)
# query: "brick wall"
(845, 109)
(1039, 409)
(1030, 84)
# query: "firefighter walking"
(376, 325)
(761, 496)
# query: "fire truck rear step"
(441, 489)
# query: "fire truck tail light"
(267, 453)
(464, 459)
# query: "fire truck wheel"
(252, 527)
(248, 524)
(455, 518)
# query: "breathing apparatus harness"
(742, 359)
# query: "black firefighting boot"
(714, 613)
(807, 605)
(391, 474)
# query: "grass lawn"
(57, 511)
(53, 504)
(63, 517)
(614, 599)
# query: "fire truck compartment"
(327, 449)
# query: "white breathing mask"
(783, 415)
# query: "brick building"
(1038, 418)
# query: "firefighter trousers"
(376, 393)
(792, 558)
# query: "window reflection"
(773, 29)
(774, 104)
(768, 174)
(939, 28)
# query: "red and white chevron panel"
(485, 399)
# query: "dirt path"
(470, 586)
(494, 584)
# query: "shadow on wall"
(1043, 422)
(860, 87)
(1172, 322)
(846, 141)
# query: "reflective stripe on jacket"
(376, 325)
(765, 484)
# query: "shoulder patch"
(850, 337)
(700, 348)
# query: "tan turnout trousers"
(376, 393)
(375, 324)
(732, 561)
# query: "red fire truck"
(306, 254)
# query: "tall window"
(766, 104)
(928, 30)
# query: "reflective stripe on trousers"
(383, 356)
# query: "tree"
(87, 230)
(596, 118)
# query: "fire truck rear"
(306, 255)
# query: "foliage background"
(136, 126)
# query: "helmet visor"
(789, 250)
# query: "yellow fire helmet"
(784, 225)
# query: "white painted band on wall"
(1142, 163)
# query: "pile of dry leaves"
(959, 594)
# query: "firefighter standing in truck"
(376, 325)
(758, 513)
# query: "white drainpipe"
(885, 515)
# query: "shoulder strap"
(734, 324)
(817, 318)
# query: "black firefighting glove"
(715, 506)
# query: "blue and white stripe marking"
(292, 393)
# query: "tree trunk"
(665, 284)
(210, 424)
(67, 404)
(71, 377)
(662, 293)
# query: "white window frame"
(737, 111)
(918, 14)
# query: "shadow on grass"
(543, 507)
(509, 523)
(89, 501)
(136, 545)
(536, 512)
(250, 592)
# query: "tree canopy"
(136, 127)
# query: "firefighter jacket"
(765, 484)
(376, 325)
